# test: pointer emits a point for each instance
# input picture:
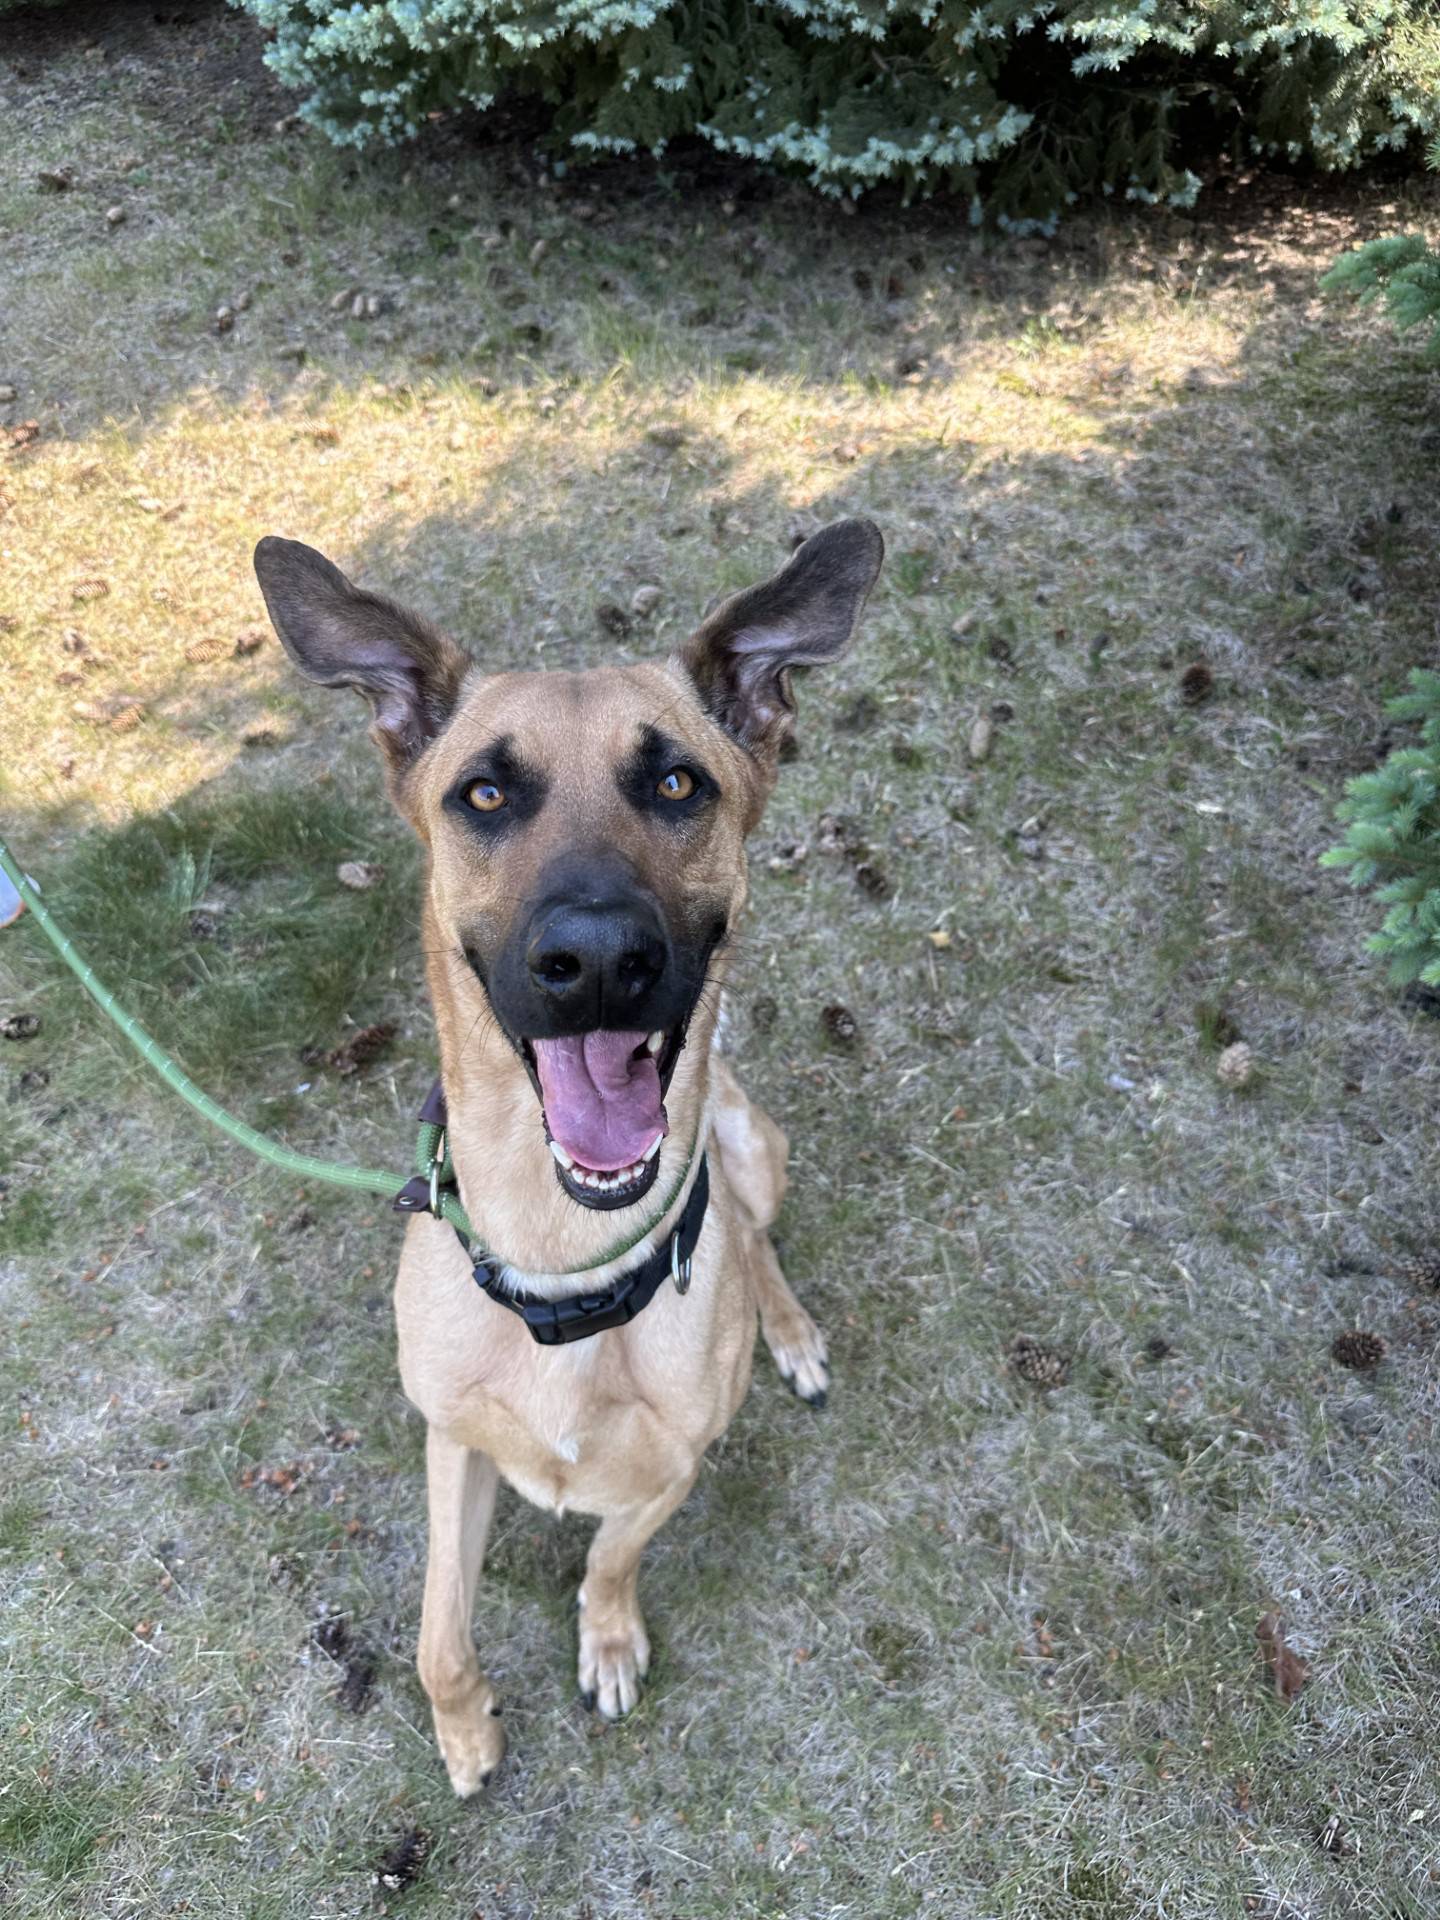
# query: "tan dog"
(585, 838)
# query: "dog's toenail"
(587, 1700)
(818, 1400)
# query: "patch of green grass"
(225, 931)
(20, 1522)
(28, 1220)
(54, 1827)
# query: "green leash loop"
(428, 1161)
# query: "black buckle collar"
(576, 1316)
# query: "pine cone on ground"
(841, 1025)
(1358, 1349)
(1197, 683)
(1042, 1366)
(1420, 1270)
(1236, 1066)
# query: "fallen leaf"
(359, 875)
(1332, 1837)
(1289, 1671)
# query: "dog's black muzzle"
(592, 952)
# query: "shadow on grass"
(688, 264)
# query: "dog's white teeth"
(653, 1148)
(604, 1182)
(655, 1042)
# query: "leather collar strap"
(576, 1316)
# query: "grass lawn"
(962, 1645)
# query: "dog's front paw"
(614, 1659)
(472, 1744)
(797, 1347)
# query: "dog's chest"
(571, 1444)
(594, 1427)
(569, 1427)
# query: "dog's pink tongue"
(602, 1101)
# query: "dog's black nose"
(596, 963)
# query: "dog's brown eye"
(485, 796)
(677, 785)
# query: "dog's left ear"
(741, 658)
(342, 636)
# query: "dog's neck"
(495, 1138)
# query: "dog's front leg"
(614, 1647)
(461, 1486)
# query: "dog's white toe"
(613, 1661)
(797, 1347)
(472, 1745)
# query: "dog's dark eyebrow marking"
(654, 755)
(522, 783)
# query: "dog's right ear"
(344, 637)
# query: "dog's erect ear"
(741, 657)
(343, 637)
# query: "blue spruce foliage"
(1020, 106)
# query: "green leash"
(431, 1163)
